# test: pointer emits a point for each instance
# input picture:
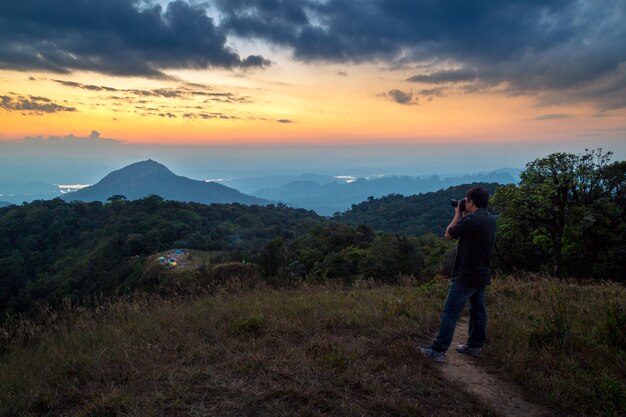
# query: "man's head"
(477, 197)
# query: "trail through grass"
(316, 351)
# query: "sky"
(444, 82)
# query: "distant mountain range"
(149, 177)
(251, 185)
(336, 196)
(326, 194)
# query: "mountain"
(149, 177)
(251, 185)
(333, 197)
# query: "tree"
(567, 204)
(117, 197)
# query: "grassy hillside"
(269, 353)
(313, 351)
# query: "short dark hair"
(479, 196)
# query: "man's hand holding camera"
(461, 208)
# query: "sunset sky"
(307, 72)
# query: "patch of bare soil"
(471, 374)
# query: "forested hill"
(414, 215)
(51, 249)
(145, 178)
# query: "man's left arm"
(457, 217)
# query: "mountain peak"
(148, 165)
(144, 178)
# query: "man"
(476, 230)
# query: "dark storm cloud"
(255, 61)
(524, 46)
(119, 37)
(32, 105)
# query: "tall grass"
(311, 351)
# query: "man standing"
(476, 230)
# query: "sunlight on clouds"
(322, 103)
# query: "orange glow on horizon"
(311, 105)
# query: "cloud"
(85, 86)
(401, 97)
(285, 121)
(183, 92)
(69, 140)
(553, 116)
(254, 61)
(34, 105)
(118, 37)
(450, 76)
(156, 102)
(206, 116)
(554, 48)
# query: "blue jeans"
(457, 297)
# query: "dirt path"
(466, 371)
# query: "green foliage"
(339, 252)
(567, 216)
(414, 215)
(50, 250)
(438, 255)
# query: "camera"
(457, 202)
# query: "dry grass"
(564, 342)
(305, 352)
(313, 351)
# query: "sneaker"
(475, 352)
(433, 354)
